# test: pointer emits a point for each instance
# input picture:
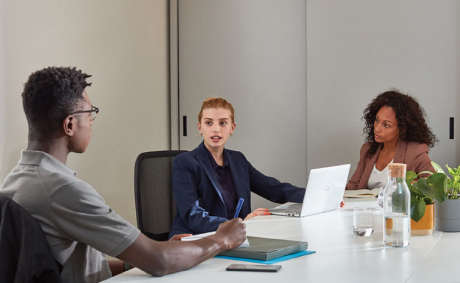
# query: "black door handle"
(184, 125)
(451, 128)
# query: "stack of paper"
(362, 193)
(245, 244)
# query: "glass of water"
(363, 221)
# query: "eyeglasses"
(94, 110)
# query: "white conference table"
(340, 256)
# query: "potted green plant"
(424, 189)
(447, 213)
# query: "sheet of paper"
(245, 244)
(285, 205)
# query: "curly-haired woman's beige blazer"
(414, 154)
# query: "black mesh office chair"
(25, 255)
(155, 205)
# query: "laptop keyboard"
(289, 212)
(293, 211)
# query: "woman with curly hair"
(396, 131)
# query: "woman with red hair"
(209, 180)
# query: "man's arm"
(117, 266)
(161, 258)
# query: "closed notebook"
(266, 248)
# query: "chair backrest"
(25, 254)
(155, 205)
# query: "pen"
(238, 207)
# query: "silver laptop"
(324, 192)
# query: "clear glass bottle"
(380, 196)
(396, 208)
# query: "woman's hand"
(259, 211)
(178, 237)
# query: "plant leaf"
(417, 210)
(425, 172)
(428, 200)
(451, 172)
(410, 176)
(414, 188)
(434, 186)
(437, 167)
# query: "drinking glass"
(363, 221)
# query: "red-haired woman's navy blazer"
(200, 207)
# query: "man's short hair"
(49, 96)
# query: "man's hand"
(231, 233)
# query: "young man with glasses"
(78, 225)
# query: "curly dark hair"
(49, 96)
(409, 114)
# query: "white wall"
(124, 45)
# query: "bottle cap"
(397, 170)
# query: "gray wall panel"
(253, 54)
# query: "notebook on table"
(324, 192)
(266, 248)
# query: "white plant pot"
(447, 215)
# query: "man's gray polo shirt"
(78, 225)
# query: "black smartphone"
(253, 267)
